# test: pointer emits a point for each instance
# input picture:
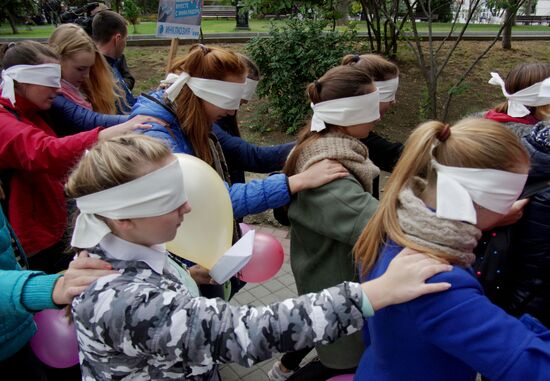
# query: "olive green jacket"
(325, 224)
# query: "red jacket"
(505, 118)
(37, 162)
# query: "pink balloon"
(55, 342)
(244, 228)
(267, 259)
(342, 377)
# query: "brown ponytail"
(338, 82)
(203, 62)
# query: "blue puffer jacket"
(253, 197)
(21, 293)
(530, 280)
(68, 118)
(119, 78)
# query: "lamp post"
(241, 16)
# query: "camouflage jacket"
(141, 325)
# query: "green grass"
(228, 26)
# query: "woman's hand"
(137, 122)
(405, 279)
(200, 275)
(320, 173)
(514, 214)
(81, 273)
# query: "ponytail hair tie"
(445, 133)
(11, 45)
(356, 58)
(205, 49)
(317, 86)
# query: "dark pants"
(26, 366)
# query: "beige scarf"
(420, 225)
(345, 149)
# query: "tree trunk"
(509, 19)
(528, 8)
(343, 11)
(11, 20)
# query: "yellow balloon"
(207, 231)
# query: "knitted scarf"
(345, 149)
(421, 226)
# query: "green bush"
(295, 53)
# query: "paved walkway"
(280, 287)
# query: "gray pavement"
(280, 287)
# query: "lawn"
(228, 26)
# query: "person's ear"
(122, 225)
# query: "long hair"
(100, 87)
(473, 143)
(338, 82)
(379, 68)
(523, 76)
(202, 62)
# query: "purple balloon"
(55, 342)
(342, 377)
(267, 259)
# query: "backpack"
(494, 257)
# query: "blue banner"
(179, 19)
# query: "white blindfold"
(154, 194)
(458, 188)
(537, 94)
(45, 75)
(387, 89)
(249, 89)
(225, 95)
(346, 111)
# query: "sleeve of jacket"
(249, 157)
(23, 290)
(383, 153)
(202, 331)
(465, 324)
(76, 118)
(173, 138)
(339, 210)
(24, 146)
(257, 196)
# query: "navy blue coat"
(68, 118)
(253, 197)
(530, 281)
(242, 156)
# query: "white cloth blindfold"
(387, 89)
(250, 86)
(458, 188)
(154, 194)
(226, 95)
(45, 75)
(537, 94)
(346, 111)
